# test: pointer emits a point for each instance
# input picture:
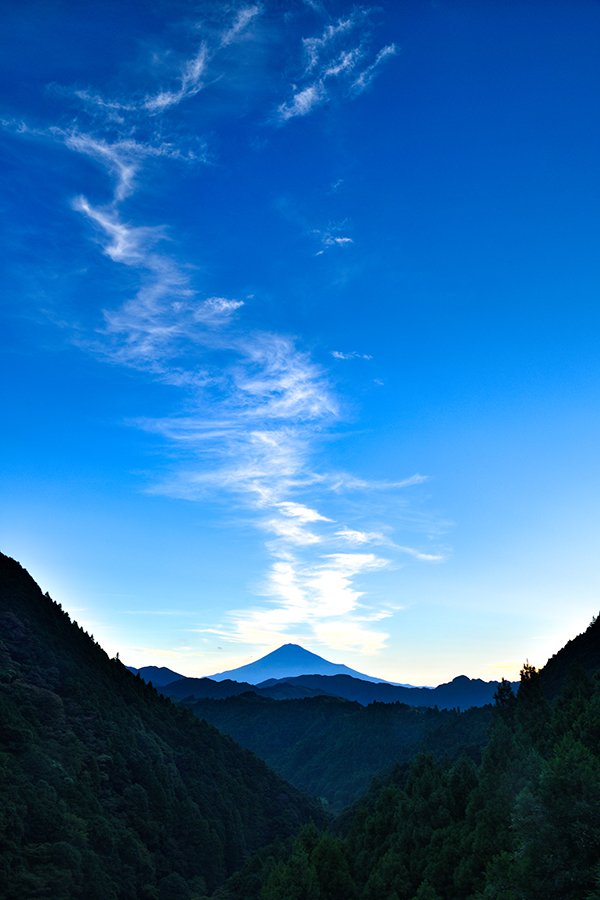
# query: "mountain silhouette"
(156, 675)
(288, 661)
(460, 693)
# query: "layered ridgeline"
(304, 727)
(108, 790)
(522, 824)
(291, 672)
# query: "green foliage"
(107, 790)
(317, 869)
(523, 824)
(333, 748)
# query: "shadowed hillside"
(107, 789)
(522, 824)
(581, 654)
(333, 748)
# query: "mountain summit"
(288, 661)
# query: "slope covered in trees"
(582, 653)
(108, 790)
(333, 748)
(523, 824)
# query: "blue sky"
(300, 328)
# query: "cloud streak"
(190, 80)
(258, 408)
(338, 61)
(353, 354)
(320, 597)
(190, 83)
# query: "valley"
(110, 789)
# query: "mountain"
(206, 688)
(460, 693)
(288, 661)
(107, 789)
(156, 675)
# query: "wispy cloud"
(353, 354)
(217, 311)
(358, 538)
(345, 481)
(364, 78)
(421, 555)
(190, 83)
(320, 597)
(123, 157)
(303, 102)
(316, 47)
(300, 512)
(243, 18)
(331, 239)
(337, 240)
(189, 79)
(258, 408)
(339, 59)
(124, 243)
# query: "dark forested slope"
(582, 653)
(108, 790)
(332, 748)
(523, 824)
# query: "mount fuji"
(289, 661)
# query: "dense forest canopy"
(107, 790)
(332, 748)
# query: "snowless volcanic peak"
(288, 661)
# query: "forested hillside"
(108, 790)
(582, 654)
(333, 748)
(524, 824)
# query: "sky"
(300, 327)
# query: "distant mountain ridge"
(207, 689)
(291, 672)
(157, 675)
(460, 693)
(295, 673)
